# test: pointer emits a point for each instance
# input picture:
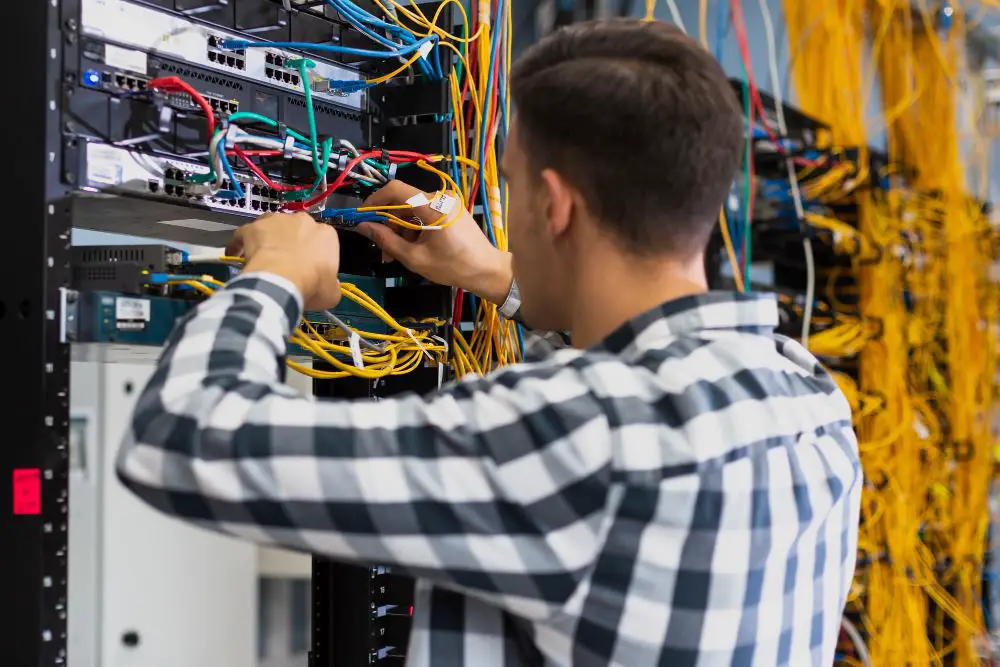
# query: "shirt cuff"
(281, 291)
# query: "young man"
(681, 488)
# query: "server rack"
(35, 298)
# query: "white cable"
(793, 179)
(347, 328)
(675, 15)
(858, 640)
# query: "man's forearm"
(495, 279)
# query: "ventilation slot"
(324, 110)
(184, 72)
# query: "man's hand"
(459, 255)
(295, 247)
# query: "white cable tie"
(440, 364)
(423, 349)
(231, 133)
(289, 149)
(355, 343)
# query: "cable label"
(355, 344)
(442, 203)
(419, 199)
(425, 49)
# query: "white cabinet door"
(173, 595)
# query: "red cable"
(173, 83)
(240, 153)
(305, 205)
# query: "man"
(681, 488)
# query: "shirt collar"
(750, 312)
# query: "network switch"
(139, 33)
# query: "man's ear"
(559, 202)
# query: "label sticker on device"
(442, 203)
(127, 59)
(27, 491)
(132, 314)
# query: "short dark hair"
(641, 119)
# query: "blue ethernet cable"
(357, 16)
(235, 44)
(237, 188)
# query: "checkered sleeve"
(494, 486)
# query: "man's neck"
(626, 287)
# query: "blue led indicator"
(91, 78)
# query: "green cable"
(304, 65)
(747, 241)
(256, 117)
(200, 179)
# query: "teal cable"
(259, 118)
(303, 65)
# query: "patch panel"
(220, 105)
(126, 81)
(144, 29)
(215, 54)
(118, 169)
(276, 69)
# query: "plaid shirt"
(685, 493)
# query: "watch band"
(512, 304)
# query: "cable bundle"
(477, 82)
(924, 393)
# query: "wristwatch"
(511, 307)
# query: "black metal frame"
(348, 629)
(34, 543)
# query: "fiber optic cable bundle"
(474, 60)
(925, 391)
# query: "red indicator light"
(411, 610)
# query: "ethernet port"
(154, 186)
(140, 84)
(273, 206)
(180, 191)
(231, 61)
(269, 58)
(255, 204)
(255, 191)
(243, 203)
(269, 72)
(241, 52)
(169, 189)
(234, 106)
(106, 77)
(220, 106)
(213, 42)
(241, 63)
(212, 55)
(295, 79)
(120, 80)
(287, 76)
(279, 61)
